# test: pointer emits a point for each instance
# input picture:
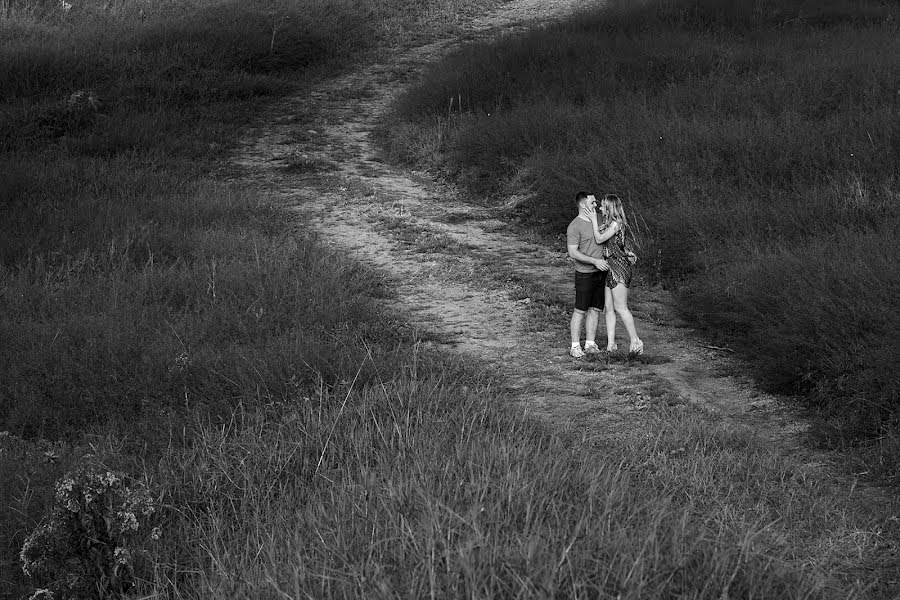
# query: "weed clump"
(85, 547)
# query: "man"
(584, 242)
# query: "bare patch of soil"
(484, 290)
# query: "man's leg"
(575, 326)
(590, 325)
(593, 314)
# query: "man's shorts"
(589, 290)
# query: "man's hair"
(579, 197)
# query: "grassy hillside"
(137, 290)
(757, 145)
(162, 322)
(119, 246)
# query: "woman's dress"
(616, 251)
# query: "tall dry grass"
(426, 486)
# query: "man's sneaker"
(576, 352)
(591, 348)
(637, 348)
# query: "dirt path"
(468, 279)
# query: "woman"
(621, 259)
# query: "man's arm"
(580, 256)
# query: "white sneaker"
(612, 347)
(591, 348)
(637, 348)
(576, 352)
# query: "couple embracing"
(603, 265)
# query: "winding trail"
(474, 284)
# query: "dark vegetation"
(757, 144)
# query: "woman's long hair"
(614, 210)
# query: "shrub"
(86, 547)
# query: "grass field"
(757, 145)
(137, 290)
(178, 328)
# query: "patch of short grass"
(304, 164)
(416, 236)
(456, 217)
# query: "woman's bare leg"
(609, 313)
(620, 303)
